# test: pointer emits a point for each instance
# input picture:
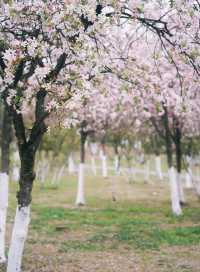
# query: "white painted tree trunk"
(15, 174)
(80, 198)
(93, 165)
(188, 179)
(71, 165)
(3, 213)
(188, 175)
(117, 165)
(180, 188)
(104, 166)
(53, 179)
(94, 148)
(86, 145)
(197, 183)
(19, 235)
(175, 201)
(60, 175)
(147, 172)
(43, 173)
(16, 157)
(100, 153)
(158, 167)
(131, 174)
(198, 189)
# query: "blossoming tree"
(47, 46)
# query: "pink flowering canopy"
(45, 46)
(55, 53)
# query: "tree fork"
(27, 176)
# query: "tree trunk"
(71, 165)
(175, 200)
(3, 213)
(197, 184)
(147, 172)
(104, 166)
(6, 138)
(117, 160)
(180, 188)
(179, 165)
(104, 160)
(43, 170)
(19, 235)
(28, 143)
(188, 175)
(22, 218)
(80, 197)
(117, 165)
(15, 174)
(158, 167)
(57, 177)
(93, 165)
(93, 149)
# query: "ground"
(136, 233)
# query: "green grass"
(139, 222)
(139, 227)
(75, 245)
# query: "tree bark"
(147, 172)
(3, 213)
(175, 199)
(71, 165)
(28, 144)
(104, 159)
(93, 165)
(80, 197)
(19, 235)
(6, 138)
(117, 159)
(158, 167)
(189, 175)
(179, 164)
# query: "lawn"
(136, 233)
